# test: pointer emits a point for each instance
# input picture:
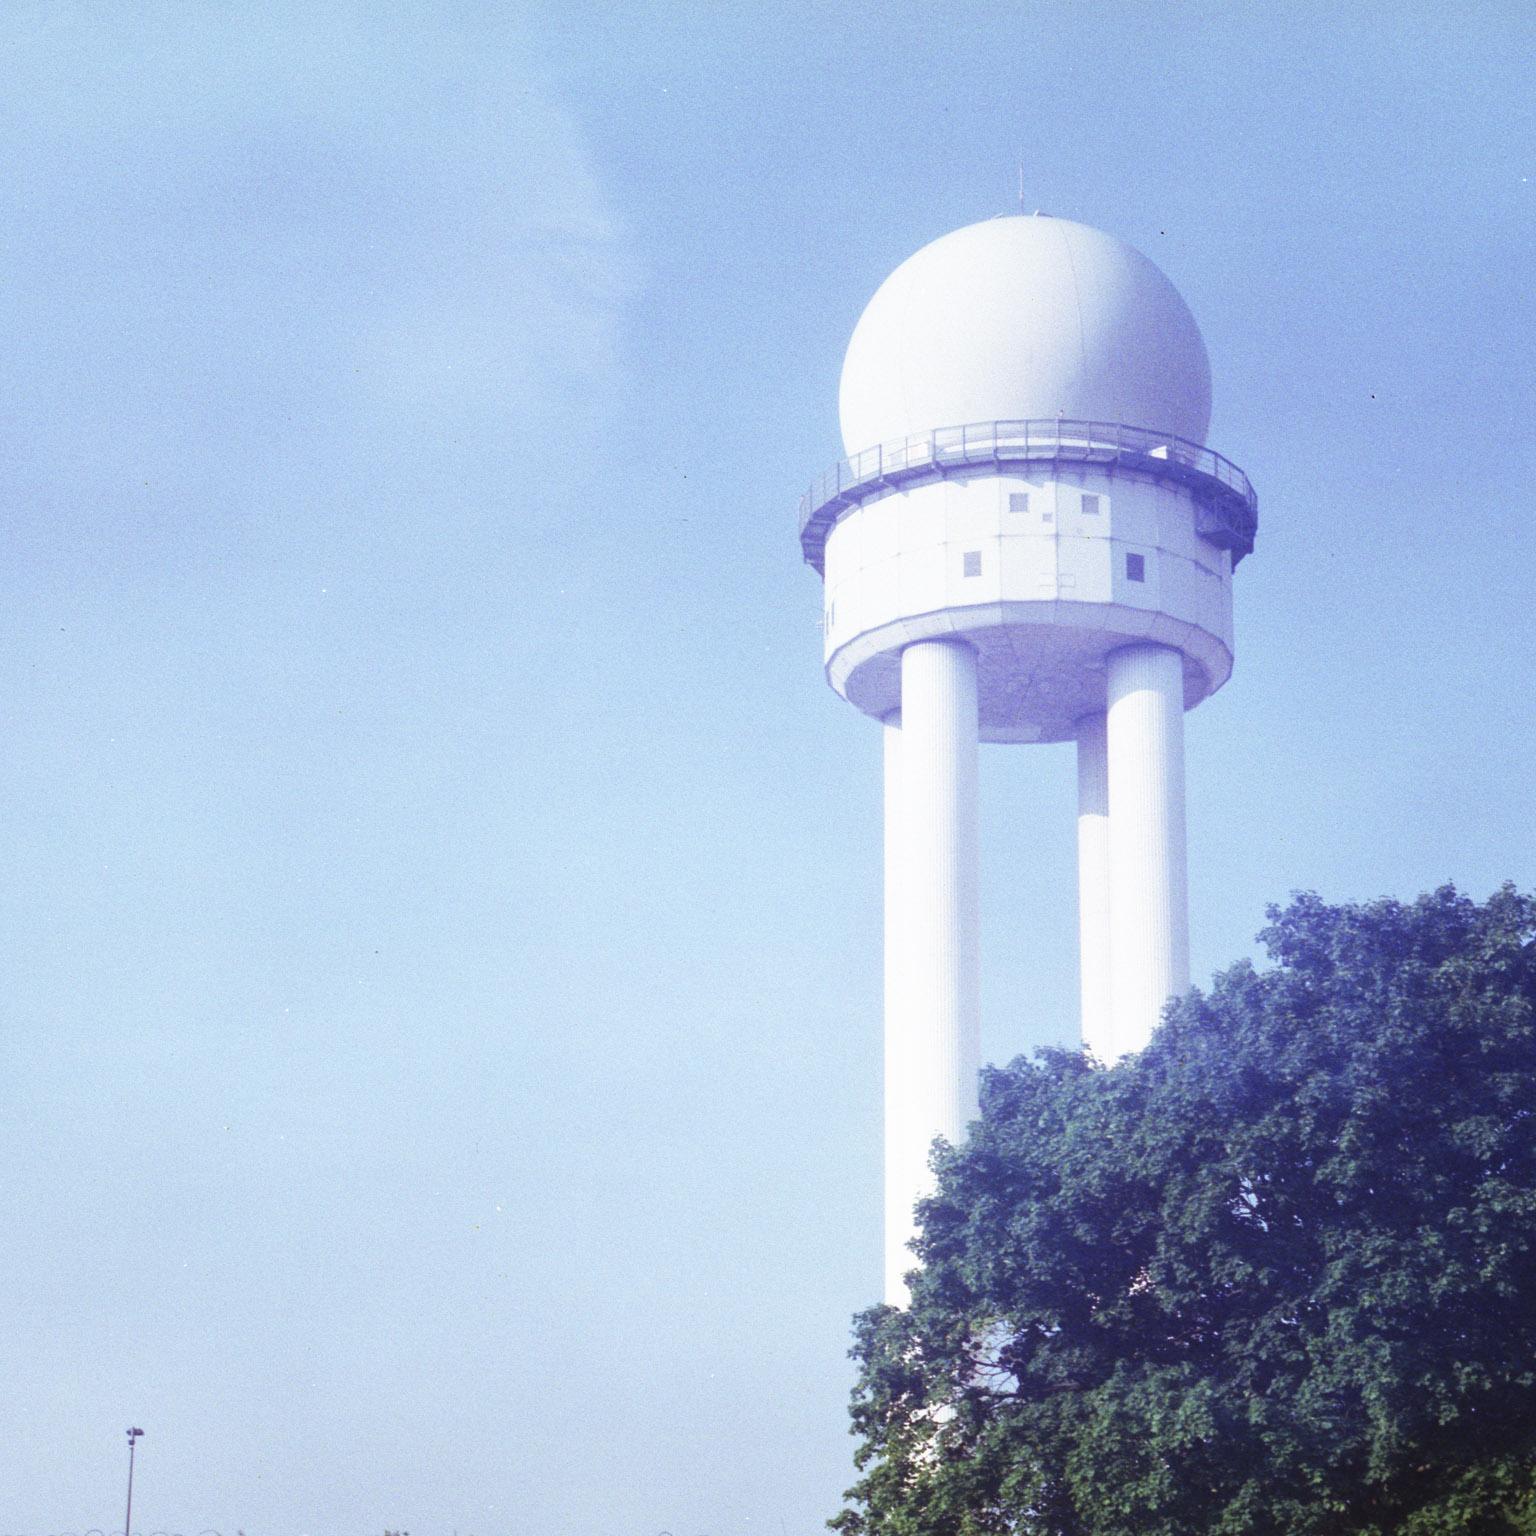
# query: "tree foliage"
(1275, 1276)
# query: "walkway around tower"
(1226, 506)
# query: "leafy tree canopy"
(1276, 1276)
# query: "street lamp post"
(133, 1440)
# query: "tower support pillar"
(899, 1178)
(1093, 921)
(1149, 901)
(932, 973)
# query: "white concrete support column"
(1149, 899)
(1093, 953)
(898, 1177)
(933, 998)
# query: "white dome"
(1020, 318)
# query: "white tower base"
(932, 976)
(1149, 902)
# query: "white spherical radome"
(1022, 318)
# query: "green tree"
(1276, 1276)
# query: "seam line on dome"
(1077, 305)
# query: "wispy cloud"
(226, 226)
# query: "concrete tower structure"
(1029, 542)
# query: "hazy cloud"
(226, 227)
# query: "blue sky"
(440, 938)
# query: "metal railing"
(1227, 509)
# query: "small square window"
(972, 563)
(1018, 501)
(1090, 506)
(1135, 567)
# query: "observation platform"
(1227, 510)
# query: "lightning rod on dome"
(1029, 542)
